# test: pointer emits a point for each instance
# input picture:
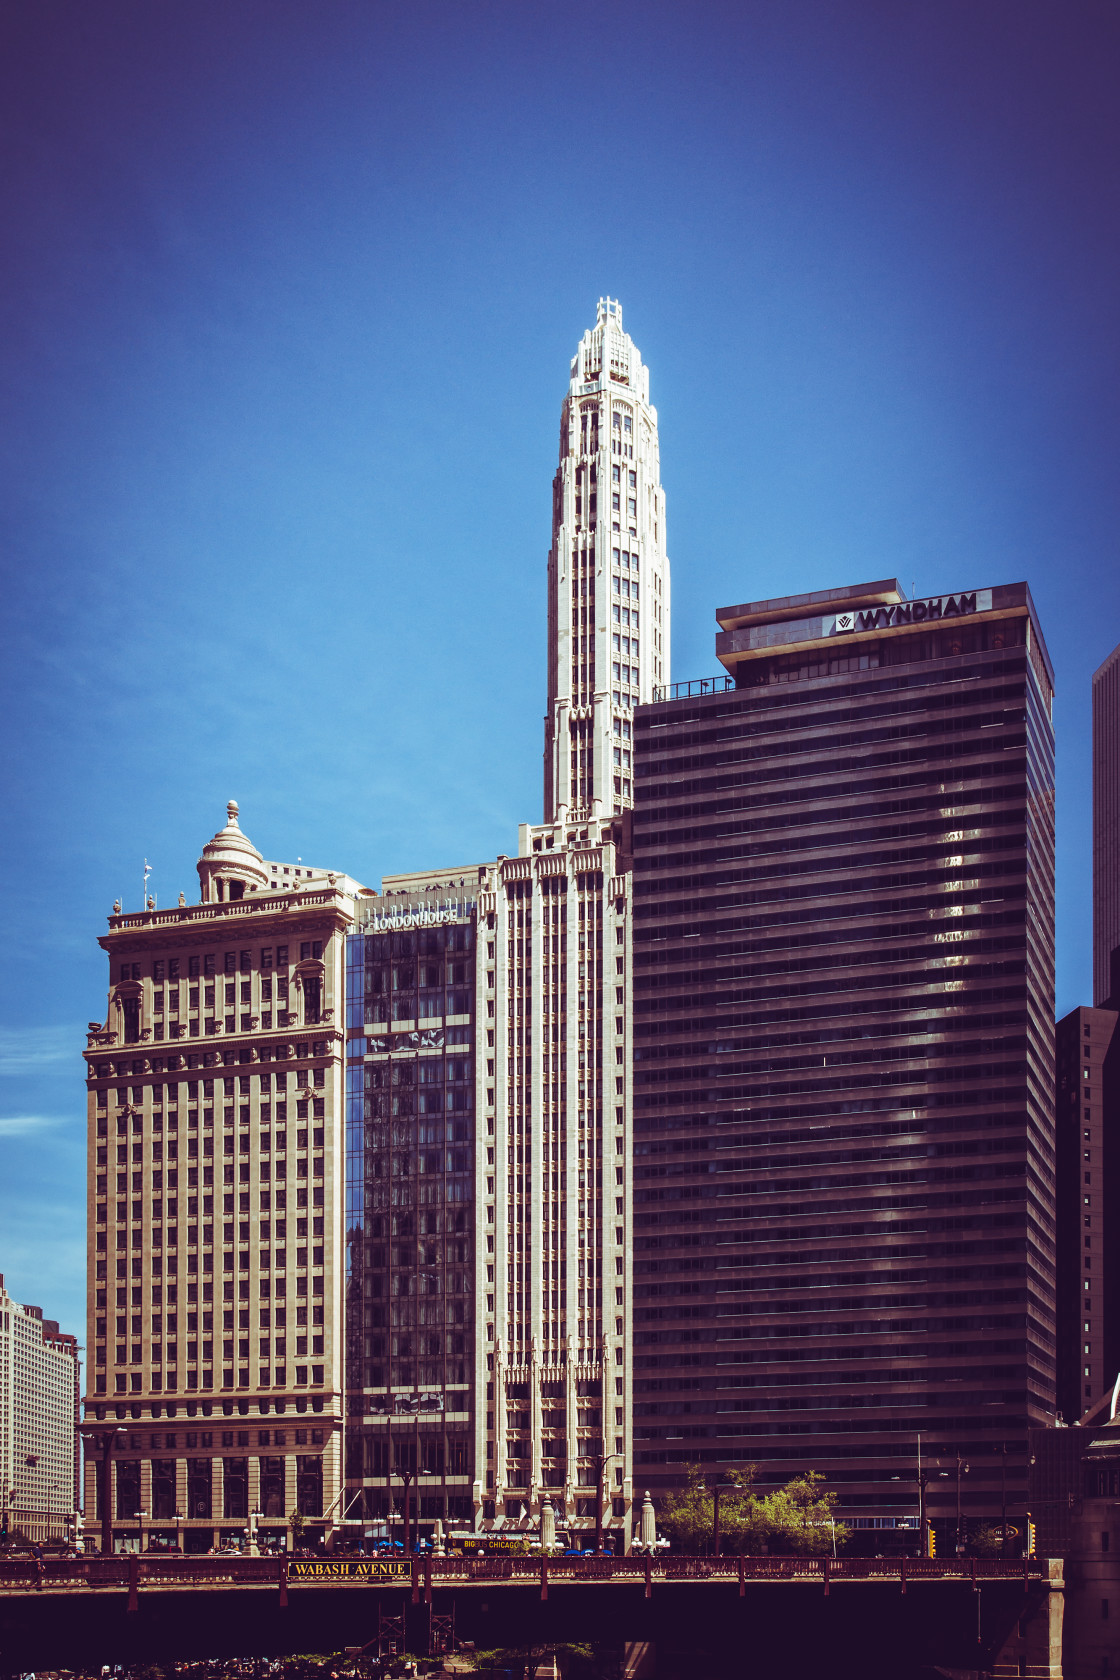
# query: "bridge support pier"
(1033, 1648)
(639, 1660)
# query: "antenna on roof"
(144, 891)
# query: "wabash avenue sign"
(349, 1569)
(914, 612)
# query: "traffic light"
(931, 1542)
(1032, 1536)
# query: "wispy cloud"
(29, 1049)
(49, 1272)
(26, 1125)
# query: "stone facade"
(215, 1174)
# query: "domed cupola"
(230, 865)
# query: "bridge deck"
(135, 1573)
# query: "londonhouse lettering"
(916, 612)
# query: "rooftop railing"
(696, 687)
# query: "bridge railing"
(154, 1571)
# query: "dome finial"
(231, 811)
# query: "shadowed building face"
(843, 1111)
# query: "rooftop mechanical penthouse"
(843, 1181)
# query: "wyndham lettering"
(908, 612)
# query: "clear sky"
(289, 293)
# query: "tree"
(686, 1516)
(798, 1518)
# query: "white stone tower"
(608, 576)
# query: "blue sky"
(288, 297)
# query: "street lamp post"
(108, 1441)
(140, 1515)
(1003, 1499)
(178, 1538)
(409, 1405)
(727, 1484)
(603, 1462)
(962, 1468)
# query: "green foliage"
(985, 1542)
(797, 1518)
(687, 1517)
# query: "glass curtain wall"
(410, 1213)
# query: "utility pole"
(1003, 1499)
(729, 1481)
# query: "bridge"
(795, 1615)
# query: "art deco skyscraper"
(608, 576)
(530, 1375)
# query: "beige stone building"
(39, 1377)
(215, 1103)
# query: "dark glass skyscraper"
(1106, 823)
(410, 1209)
(843, 1077)
(1088, 1167)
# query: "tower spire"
(608, 575)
